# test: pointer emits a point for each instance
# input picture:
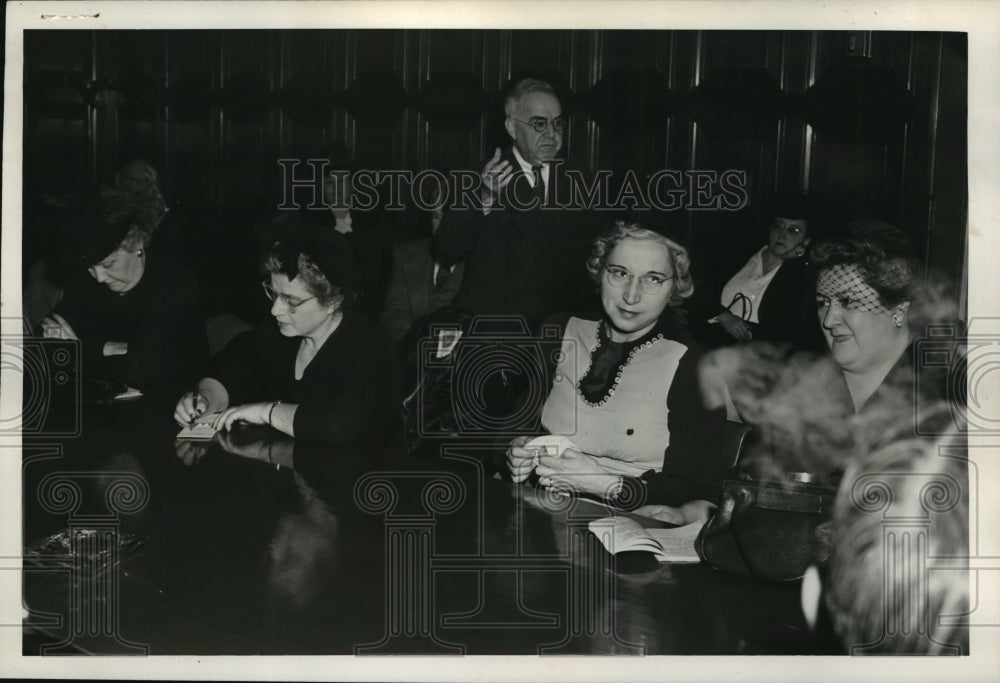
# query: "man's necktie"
(442, 277)
(539, 189)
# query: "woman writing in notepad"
(322, 372)
(625, 391)
(133, 307)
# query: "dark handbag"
(766, 529)
(427, 411)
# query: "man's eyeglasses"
(540, 123)
(272, 295)
(620, 278)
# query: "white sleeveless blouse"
(629, 427)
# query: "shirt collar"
(526, 167)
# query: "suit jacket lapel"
(419, 276)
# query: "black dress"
(160, 319)
(349, 390)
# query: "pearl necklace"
(618, 377)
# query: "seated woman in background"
(625, 389)
(323, 372)
(767, 299)
(134, 309)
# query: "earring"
(139, 253)
(897, 319)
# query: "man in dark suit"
(422, 282)
(524, 255)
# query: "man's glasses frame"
(541, 124)
(271, 294)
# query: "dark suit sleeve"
(458, 233)
(462, 224)
(396, 318)
(359, 396)
(694, 464)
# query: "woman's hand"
(576, 472)
(56, 327)
(735, 327)
(191, 406)
(692, 511)
(496, 174)
(251, 413)
(521, 461)
(115, 348)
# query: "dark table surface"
(265, 545)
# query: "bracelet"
(270, 413)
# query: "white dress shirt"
(751, 281)
(526, 167)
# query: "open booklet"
(202, 428)
(623, 534)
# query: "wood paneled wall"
(874, 123)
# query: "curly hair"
(136, 199)
(326, 293)
(882, 255)
(620, 230)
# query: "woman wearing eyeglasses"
(767, 299)
(322, 372)
(625, 389)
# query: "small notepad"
(622, 534)
(128, 394)
(201, 430)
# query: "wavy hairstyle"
(620, 230)
(136, 197)
(881, 253)
(522, 88)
